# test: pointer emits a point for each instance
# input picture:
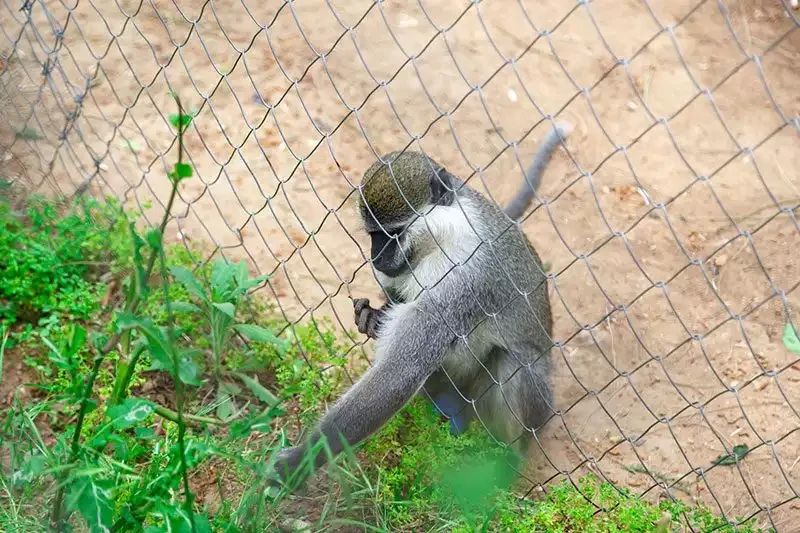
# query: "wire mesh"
(668, 225)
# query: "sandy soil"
(675, 246)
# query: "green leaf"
(254, 422)
(224, 403)
(28, 134)
(176, 520)
(222, 273)
(195, 452)
(739, 451)
(32, 467)
(185, 277)
(226, 307)
(231, 388)
(248, 284)
(56, 357)
(126, 320)
(189, 372)
(790, 339)
(154, 238)
(144, 433)
(180, 121)
(256, 333)
(241, 273)
(184, 307)
(156, 341)
(159, 359)
(140, 286)
(183, 171)
(77, 340)
(91, 496)
(155, 335)
(258, 390)
(130, 412)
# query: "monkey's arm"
(413, 347)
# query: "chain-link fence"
(668, 224)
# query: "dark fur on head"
(393, 190)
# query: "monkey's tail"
(533, 175)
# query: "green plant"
(311, 368)
(82, 486)
(217, 304)
(48, 260)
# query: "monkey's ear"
(442, 188)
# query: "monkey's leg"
(516, 399)
(439, 390)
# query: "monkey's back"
(509, 280)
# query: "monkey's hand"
(367, 318)
(287, 462)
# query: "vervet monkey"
(467, 321)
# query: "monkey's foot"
(450, 407)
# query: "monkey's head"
(394, 195)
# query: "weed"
(109, 464)
(48, 262)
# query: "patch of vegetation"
(429, 479)
(157, 403)
(50, 263)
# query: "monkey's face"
(389, 250)
(394, 196)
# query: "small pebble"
(407, 22)
(294, 524)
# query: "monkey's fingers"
(363, 319)
(359, 304)
(372, 324)
(285, 473)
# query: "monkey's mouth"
(391, 271)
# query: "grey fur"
(533, 175)
(480, 331)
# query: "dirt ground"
(674, 246)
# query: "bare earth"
(674, 247)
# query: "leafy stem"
(126, 369)
(58, 515)
(179, 393)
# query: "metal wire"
(89, 79)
